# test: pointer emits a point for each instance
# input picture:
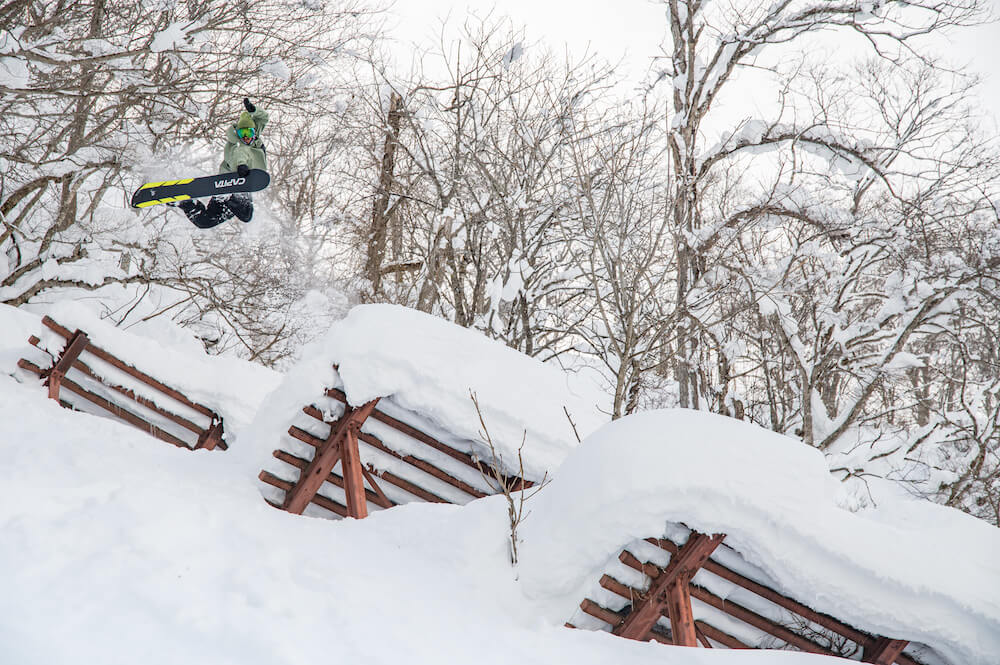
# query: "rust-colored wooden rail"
(341, 445)
(482, 466)
(301, 464)
(318, 499)
(830, 623)
(306, 437)
(132, 371)
(669, 593)
(69, 358)
(878, 650)
(334, 449)
(377, 443)
(111, 407)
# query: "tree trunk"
(380, 209)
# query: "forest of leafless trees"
(825, 265)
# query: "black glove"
(242, 170)
(248, 106)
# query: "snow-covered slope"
(118, 548)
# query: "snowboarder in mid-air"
(244, 151)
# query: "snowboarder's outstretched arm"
(259, 115)
(245, 153)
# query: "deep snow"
(119, 548)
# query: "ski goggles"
(246, 132)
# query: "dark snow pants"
(218, 210)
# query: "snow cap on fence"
(428, 366)
(908, 568)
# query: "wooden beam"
(325, 458)
(824, 620)
(760, 622)
(319, 499)
(701, 637)
(382, 499)
(725, 639)
(112, 408)
(74, 347)
(738, 611)
(631, 595)
(661, 635)
(132, 371)
(646, 568)
(678, 597)
(684, 564)
(402, 483)
(885, 651)
(426, 467)
(628, 593)
(203, 433)
(300, 464)
(354, 480)
(514, 482)
(212, 438)
(602, 613)
(138, 399)
(405, 485)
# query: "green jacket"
(237, 152)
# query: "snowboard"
(155, 193)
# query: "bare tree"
(709, 43)
(106, 88)
(621, 244)
(479, 195)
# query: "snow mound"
(428, 366)
(909, 569)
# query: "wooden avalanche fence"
(81, 377)
(364, 459)
(649, 595)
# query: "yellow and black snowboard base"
(169, 191)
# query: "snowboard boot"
(240, 205)
(202, 216)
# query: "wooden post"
(74, 347)
(211, 437)
(680, 614)
(326, 456)
(354, 480)
(682, 566)
(885, 651)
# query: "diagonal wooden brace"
(211, 437)
(885, 651)
(670, 591)
(343, 441)
(74, 347)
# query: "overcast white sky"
(634, 29)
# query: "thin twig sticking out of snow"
(506, 484)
